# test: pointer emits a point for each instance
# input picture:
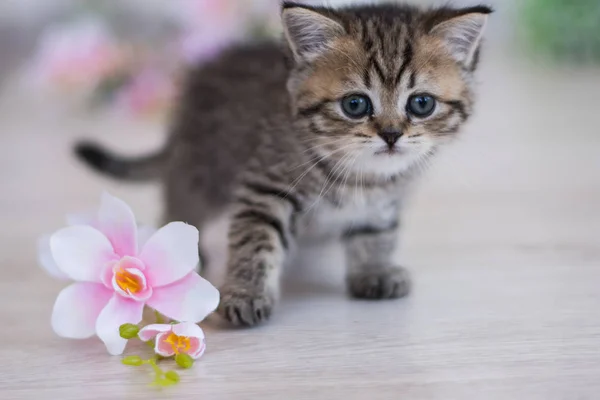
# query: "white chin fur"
(388, 165)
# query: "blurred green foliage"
(564, 29)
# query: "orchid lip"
(128, 279)
(169, 344)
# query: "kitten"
(319, 138)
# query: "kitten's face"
(383, 92)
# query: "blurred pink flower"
(114, 279)
(83, 57)
(211, 25)
(76, 56)
(208, 26)
(149, 92)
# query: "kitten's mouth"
(389, 151)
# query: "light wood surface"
(503, 239)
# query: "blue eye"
(357, 106)
(421, 105)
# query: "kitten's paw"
(379, 283)
(245, 307)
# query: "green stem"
(162, 378)
(159, 372)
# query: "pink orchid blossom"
(115, 279)
(183, 338)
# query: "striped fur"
(260, 136)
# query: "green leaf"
(135, 361)
(184, 360)
(172, 376)
(128, 331)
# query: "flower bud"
(128, 331)
(135, 361)
(172, 376)
(184, 360)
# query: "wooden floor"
(503, 240)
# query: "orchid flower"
(171, 340)
(115, 278)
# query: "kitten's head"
(382, 86)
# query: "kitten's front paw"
(241, 306)
(378, 283)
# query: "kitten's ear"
(308, 31)
(462, 33)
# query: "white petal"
(150, 331)
(188, 329)
(77, 308)
(201, 349)
(191, 299)
(117, 312)
(171, 253)
(81, 252)
(144, 233)
(117, 222)
(46, 260)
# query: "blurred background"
(502, 237)
(526, 173)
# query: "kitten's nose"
(390, 136)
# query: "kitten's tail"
(142, 168)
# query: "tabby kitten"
(319, 138)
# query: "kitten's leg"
(259, 239)
(371, 273)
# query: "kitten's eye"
(357, 106)
(421, 105)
